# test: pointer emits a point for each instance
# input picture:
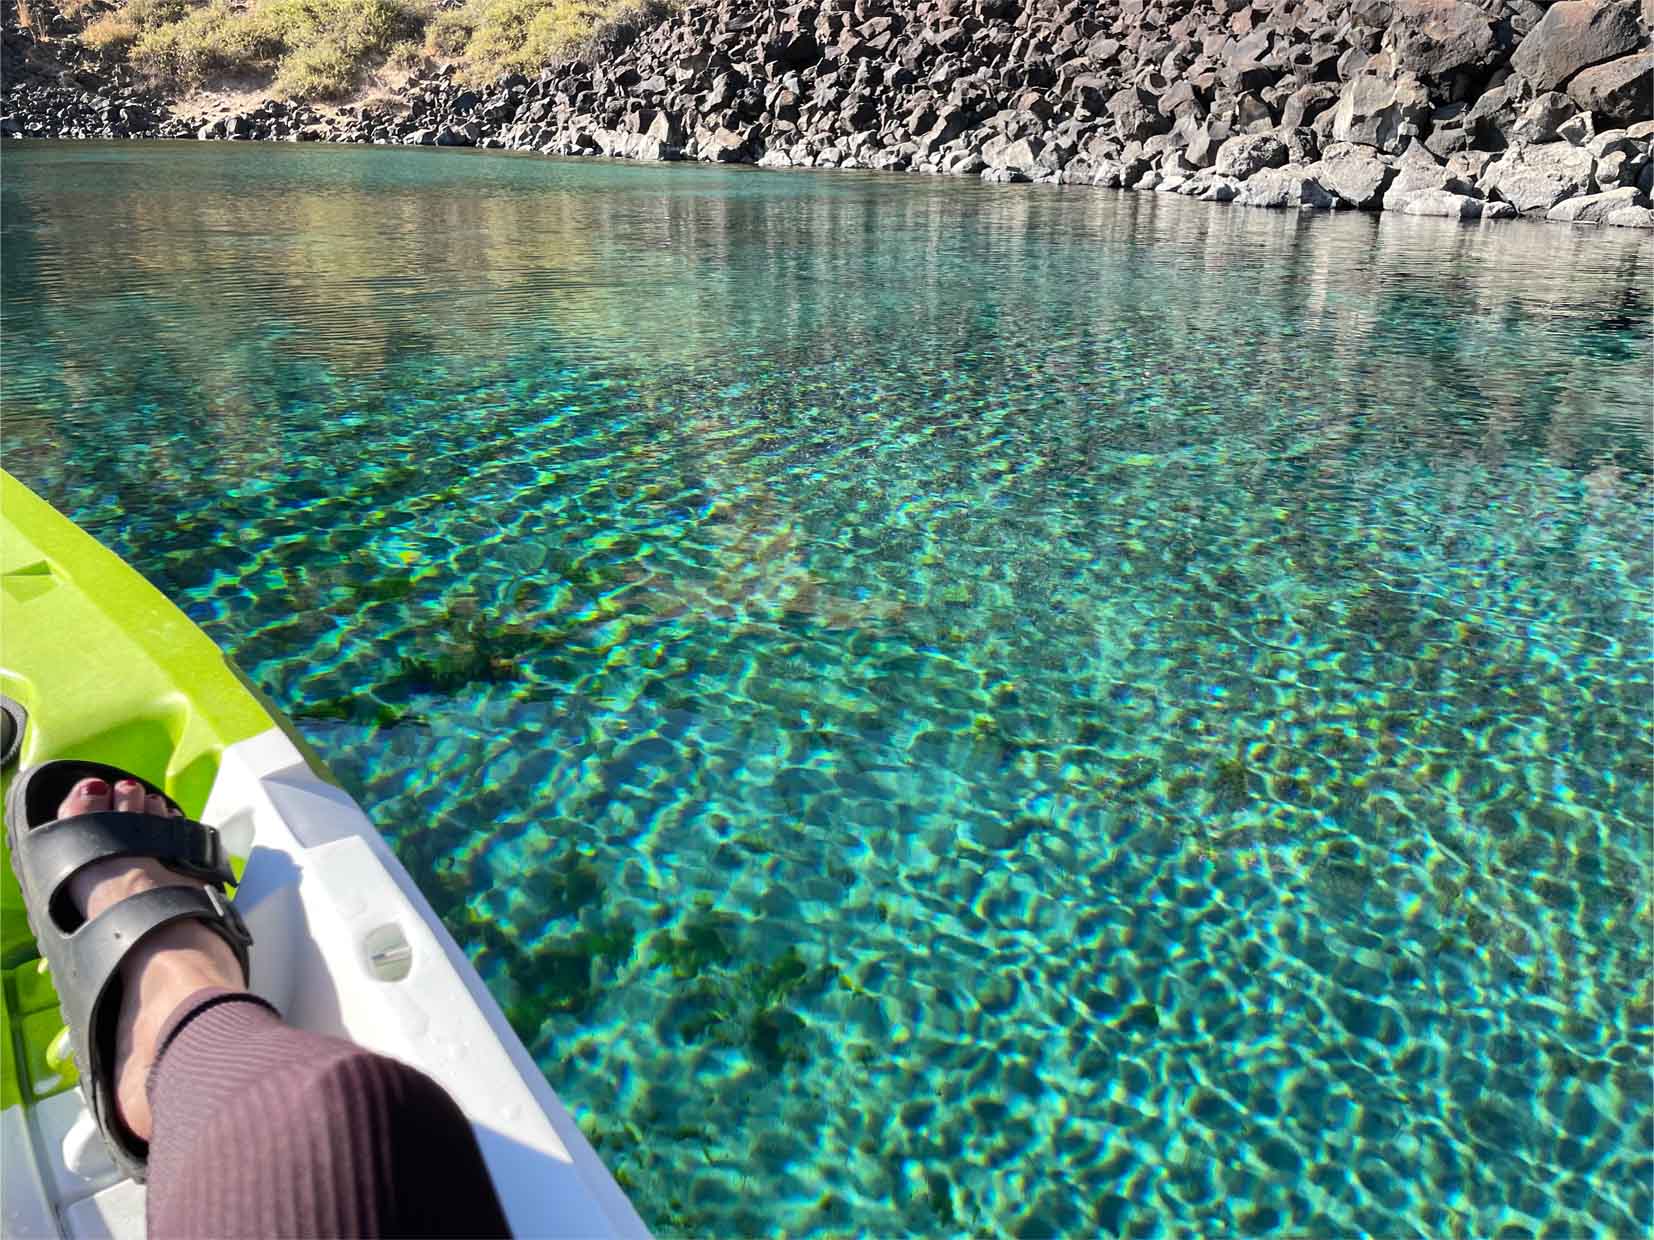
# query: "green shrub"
(406, 54)
(448, 32)
(208, 40)
(506, 35)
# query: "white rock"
(1631, 217)
(1594, 208)
(1285, 187)
(1536, 178)
(1441, 202)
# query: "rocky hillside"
(1430, 107)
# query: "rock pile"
(85, 98)
(1429, 107)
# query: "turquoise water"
(936, 709)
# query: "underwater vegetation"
(362, 708)
(569, 882)
(704, 940)
(747, 1007)
(472, 654)
(737, 1004)
(391, 588)
(1230, 779)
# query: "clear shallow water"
(935, 708)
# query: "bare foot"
(166, 967)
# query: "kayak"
(105, 668)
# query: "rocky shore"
(1428, 107)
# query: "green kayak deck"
(107, 668)
(345, 944)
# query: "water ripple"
(935, 708)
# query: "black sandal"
(85, 956)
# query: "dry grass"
(491, 37)
(328, 49)
(118, 29)
(311, 49)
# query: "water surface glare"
(935, 708)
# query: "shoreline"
(1425, 107)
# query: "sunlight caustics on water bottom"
(935, 709)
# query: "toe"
(89, 796)
(129, 796)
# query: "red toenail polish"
(95, 788)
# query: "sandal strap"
(97, 948)
(91, 959)
(59, 850)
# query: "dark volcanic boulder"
(1491, 119)
(1447, 44)
(1417, 172)
(1243, 76)
(796, 49)
(1204, 141)
(465, 134)
(1621, 91)
(1289, 186)
(949, 124)
(1377, 112)
(1446, 204)
(1003, 154)
(1536, 178)
(1574, 35)
(1355, 173)
(1543, 117)
(1137, 113)
(721, 146)
(665, 129)
(1241, 156)
(1308, 102)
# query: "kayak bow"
(108, 669)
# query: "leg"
(331, 1140)
(256, 1128)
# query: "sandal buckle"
(231, 915)
(205, 851)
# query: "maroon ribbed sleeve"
(266, 1130)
